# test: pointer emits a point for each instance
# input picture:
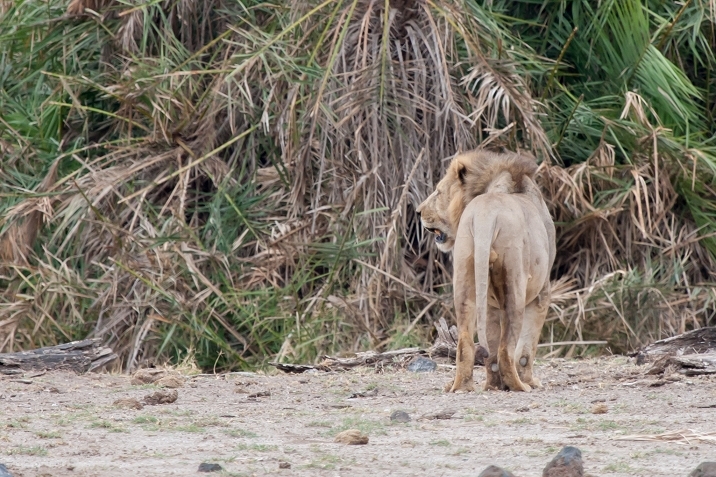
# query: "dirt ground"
(61, 424)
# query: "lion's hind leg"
(514, 285)
(491, 338)
(535, 314)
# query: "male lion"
(488, 210)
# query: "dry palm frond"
(25, 220)
(239, 179)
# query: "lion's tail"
(483, 256)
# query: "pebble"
(400, 416)
(568, 463)
(352, 437)
(494, 471)
(600, 408)
(284, 465)
(422, 365)
(705, 469)
(206, 467)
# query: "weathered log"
(78, 356)
(700, 341)
(445, 346)
(695, 364)
(690, 353)
(446, 343)
(371, 358)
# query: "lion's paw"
(535, 383)
(460, 387)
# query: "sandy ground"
(60, 424)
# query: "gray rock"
(705, 469)
(494, 471)
(422, 365)
(4, 472)
(400, 416)
(206, 467)
(568, 463)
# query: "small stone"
(400, 416)
(523, 409)
(568, 463)
(284, 465)
(161, 397)
(705, 469)
(206, 467)
(172, 381)
(129, 403)
(600, 408)
(352, 437)
(4, 472)
(494, 471)
(422, 365)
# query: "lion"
(490, 213)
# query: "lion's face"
(440, 212)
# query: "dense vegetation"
(234, 181)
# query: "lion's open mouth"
(440, 236)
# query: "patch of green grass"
(619, 467)
(257, 447)
(609, 425)
(177, 412)
(522, 420)
(324, 461)
(319, 424)
(461, 451)
(19, 423)
(145, 420)
(102, 424)
(240, 433)
(48, 435)
(210, 422)
(364, 425)
(63, 422)
(148, 423)
(189, 428)
(38, 451)
(441, 443)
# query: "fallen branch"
(445, 346)
(698, 341)
(690, 353)
(398, 356)
(686, 435)
(78, 356)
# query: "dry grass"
(237, 181)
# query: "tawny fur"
(489, 209)
(485, 171)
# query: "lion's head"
(469, 175)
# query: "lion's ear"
(461, 171)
